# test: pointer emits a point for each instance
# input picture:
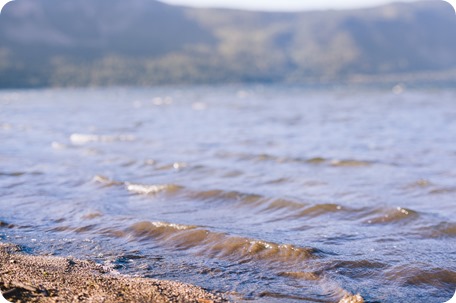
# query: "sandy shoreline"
(25, 278)
(48, 279)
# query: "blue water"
(265, 194)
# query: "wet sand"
(25, 278)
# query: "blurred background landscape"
(272, 157)
(55, 43)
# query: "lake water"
(266, 194)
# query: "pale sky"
(273, 5)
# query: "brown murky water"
(269, 194)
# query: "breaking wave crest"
(282, 208)
(388, 216)
(142, 189)
(220, 245)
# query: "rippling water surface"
(269, 194)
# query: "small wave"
(147, 227)
(357, 268)
(12, 174)
(333, 292)
(279, 159)
(222, 195)
(85, 229)
(308, 276)
(317, 160)
(6, 225)
(278, 181)
(151, 189)
(441, 230)
(259, 202)
(397, 215)
(421, 276)
(62, 228)
(19, 173)
(338, 162)
(220, 245)
(58, 146)
(447, 229)
(289, 209)
(81, 139)
(319, 209)
(324, 209)
(239, 199)
(105, 181)
(422, 183)
(92, 215)
(349, 163)
(285, 297)
(445, 190)
(142, 189)
(79, 230)
(109, 232)
(283, 204)
(173, 166)
(330, 162)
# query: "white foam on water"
(147, 189)
(81, 139)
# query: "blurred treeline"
(146, 42)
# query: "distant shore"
(26, 278)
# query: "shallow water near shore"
(267, 194)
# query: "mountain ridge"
(147, 42)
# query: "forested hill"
(146, 42)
